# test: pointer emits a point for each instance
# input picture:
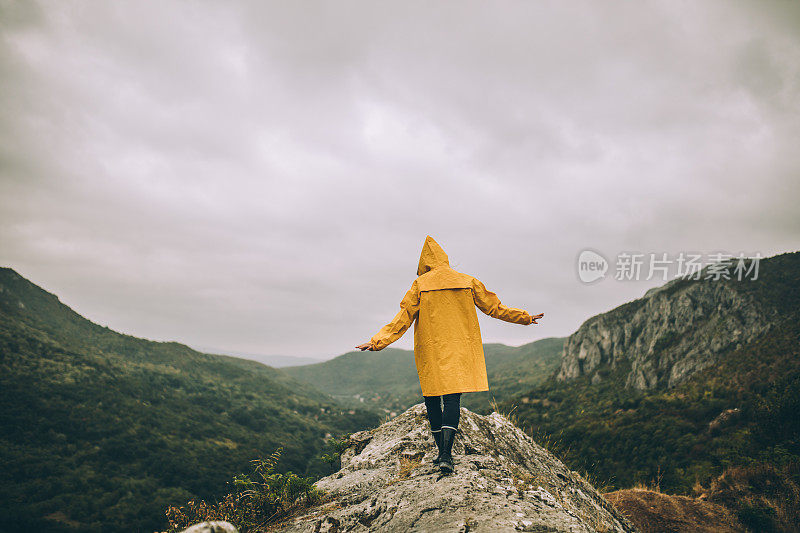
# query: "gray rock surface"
(671, 333)
(503, 481)
(211, 527)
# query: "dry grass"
(764, 498)
(327, 505)
(546, 441)
(759, 498)
(407, 466)
(551, 444)
(654, 485)
(655, 512)
(510, 416)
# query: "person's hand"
(365, 346)
(535, 318)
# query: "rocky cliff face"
(668, 335)
(503, 482)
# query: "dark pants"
(447, 417)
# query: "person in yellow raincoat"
(448, 350)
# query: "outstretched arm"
(409, 307)
(489, 303)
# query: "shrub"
(757, 517)
(259, 498)
(334, 449)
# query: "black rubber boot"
(446, 457)
(437, 437)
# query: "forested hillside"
(101, 429)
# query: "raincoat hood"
(432, 256)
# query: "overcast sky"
(260, 177)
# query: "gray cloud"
(260, 176)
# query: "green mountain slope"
(101, 429)
(519, 368)
(741, 409)
(387, 380)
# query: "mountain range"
(387, 381)
(275, 361)
(695, 381)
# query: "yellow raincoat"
(448, 349)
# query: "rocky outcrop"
(671, 333)
(503, 481)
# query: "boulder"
(211, 527)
